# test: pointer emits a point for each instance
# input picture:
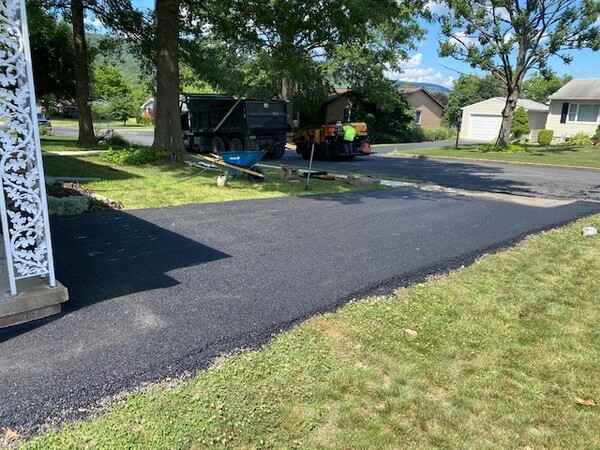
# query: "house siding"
(494, 107)
(335, 110)
(431, 111)
(491, 107)
(562, 131)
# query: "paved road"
(525, 180)
(158, 292)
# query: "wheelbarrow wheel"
(256, 177)
(217, 145)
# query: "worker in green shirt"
(349, 135)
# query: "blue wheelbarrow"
(244, 162)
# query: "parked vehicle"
(42, 120)
(218, 123)
(329, 142)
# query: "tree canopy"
(540, 85)
(469, 89)
(508, 38)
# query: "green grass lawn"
(66, 144)
(497, 355)
(73, 123)
(165, 184)
(562, 155)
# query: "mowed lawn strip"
(560, 155)
(165, 184)
(497, 355)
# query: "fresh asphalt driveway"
(158, 293)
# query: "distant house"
(428, 110)
(575, 108)
(481, 121)
(66, 108)
(148, 108)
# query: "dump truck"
(216, 123)
(329, 142)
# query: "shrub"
(116, 140)
(143, 120)
(545, 137)
(596, 136)
(45, 130)
(514, 148)
(580, 140)
(520, 123)
(438, 134)
(487, 148)
(134, 156)
(68, 206)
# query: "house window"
(418, 118)
(584, 113)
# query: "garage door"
(484, 128)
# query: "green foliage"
(492, 147)
(51, 42)
(487, 148)
(134, 156)
(68, 206)
(101, 111)
(580, 139)
(310, 44)
(108, 83)
(545, 137)
(469, 89)
(380, 104)
(118, 141)
(124, 108)
(142, 120)
(541, 85)
(520, 123)
(596, 137)
(514, 148)
(45, 130)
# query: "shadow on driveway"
(104, 255)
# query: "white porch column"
(23, 205)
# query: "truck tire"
(217, 145)
(235, 145)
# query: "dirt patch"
(69, 189)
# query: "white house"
(575, 108)
(148, 108)
(481, 121)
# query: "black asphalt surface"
(524, 180)
(156, 293)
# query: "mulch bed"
(68, 189)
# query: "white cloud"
(463, 37)
(437, 8)
(412, 70)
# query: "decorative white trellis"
(23, 205)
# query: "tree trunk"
(167, 130)
(82, 84)
(508, 113)
(287, 94)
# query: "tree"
(540, 85)
(441, 97)
(520, 123)
(51, 43)
(469, 89)
(294, 39)
(167, 130)
(510, 37)
(82, 91)
(124, 108)
(108, 83)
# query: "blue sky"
(424, 65)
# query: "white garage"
(481, 121)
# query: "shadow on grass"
(65, 144)
(68, 166)
(554, 150)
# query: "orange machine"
(329, 142)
